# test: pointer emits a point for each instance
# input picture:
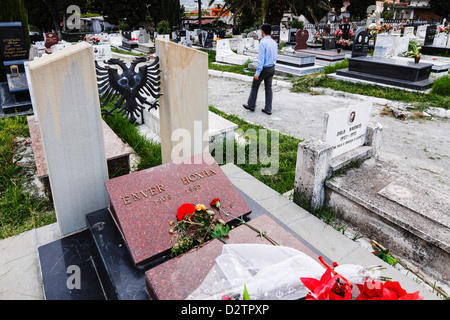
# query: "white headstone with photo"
(345, 128)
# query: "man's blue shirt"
(267, 54)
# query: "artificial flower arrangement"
(338, 33)
(317, 37)
(343, 42)
(441, 29)
(93, 40)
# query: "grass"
(148, 152)
(419, 99)
(19, 209)
(286, 154)
(240, 69)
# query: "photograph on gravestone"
(130, 87)
(12, 42)
(301, 37)
(345, 128)
(144, 203)
(360, 43)
(345, 30)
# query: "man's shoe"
(266, 112)
(248, 108)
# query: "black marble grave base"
(12, 104)
(390, 68)
(56, 259)
(432, 50)
(106, 268)
(417, 85)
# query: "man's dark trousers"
(266, 75)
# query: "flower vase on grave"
(417, 58)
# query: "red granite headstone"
(143, 203)
(180, 276)
(50, 39)
(301, 37)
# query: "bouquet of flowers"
(317, 37)
(338, 33)
(343, 42)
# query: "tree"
(358, 9)
(440, 7)
(272, 10)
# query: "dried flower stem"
(261, 233)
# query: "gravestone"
(360, 43)
(328, 43)
(206, 39)
(276, 34)
(345, 128)
(429, 35)
(143, 37)
(184, 103)
(226, 55)
(421, 31)
(345, 30)
(143, 203)
(383, 45)
(66, 99)
(12, 41)
(440, 40)
(301, 37)
(292, 33)
(50, 40)
(14, 94)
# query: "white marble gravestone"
(440, 40)
(66, 100)
(345, 128)
(224, 53)
(383, 45)
(184, 104)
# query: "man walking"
(265, 69)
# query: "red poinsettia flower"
(390, 290)
(331, 286)
(185, 210)
(216, 203)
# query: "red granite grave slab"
(180, 276)
(143, 203)
(117, 153)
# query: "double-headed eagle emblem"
(130, 88)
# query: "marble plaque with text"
(143, 203)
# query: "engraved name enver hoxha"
(160, 193)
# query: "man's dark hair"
(267, 28)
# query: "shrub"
(441, 86)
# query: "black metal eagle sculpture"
(130, 87)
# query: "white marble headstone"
(345, 128)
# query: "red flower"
(390, 290)
(216, 203)
(185, 210)
(331, 286)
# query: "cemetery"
(129, 169)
